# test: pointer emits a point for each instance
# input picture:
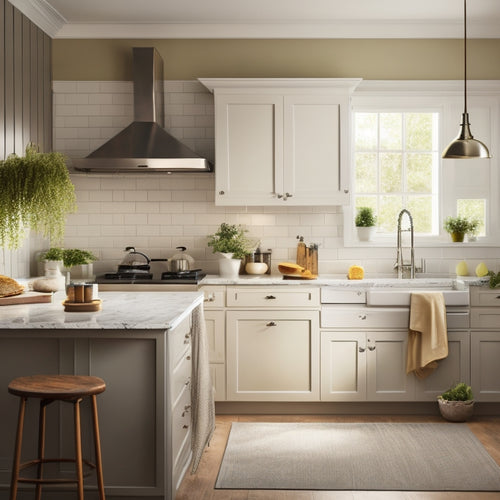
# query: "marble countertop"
(342, 282)
(120, 311)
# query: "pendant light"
(465, 146)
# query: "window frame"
(446, 99)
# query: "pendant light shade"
(465, 146)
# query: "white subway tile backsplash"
(157, 212)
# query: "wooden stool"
(50, 388)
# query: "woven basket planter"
(456, 411)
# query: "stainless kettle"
(181, 261)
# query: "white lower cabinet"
(485, 365)
(485, 343)
(272, 355)
(360, 366)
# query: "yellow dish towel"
(427, 335)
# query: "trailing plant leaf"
(36, 193)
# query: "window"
(397, 166)
(399, 130)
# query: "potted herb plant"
(457, 227)
(473, 229)
(36, 193)
(231, 242)
(457, 404)
(79, 261)
(365, 222)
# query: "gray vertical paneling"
(47, 93)
(9, 78)
(18, 83)
(2, 80)
(25, 83)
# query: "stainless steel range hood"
(144, 146)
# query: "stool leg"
(41, 446)
(17, 450)
(78, 449)
(97, 443)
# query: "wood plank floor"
(200, 486)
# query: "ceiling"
(263, 18)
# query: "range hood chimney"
(144, 146)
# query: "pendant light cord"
(465, 56)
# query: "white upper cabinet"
(282, 141)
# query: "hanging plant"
(36, 193)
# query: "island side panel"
(131, 411)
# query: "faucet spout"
(405, 270)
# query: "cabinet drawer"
(181, 423)
(215, 296)
(485, 317)
(485, 297)
(331, 295)
(181, 376)
(358, 317)
(179, 340)
(264, 298)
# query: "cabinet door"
(272, 356)
(485, 368)
(343, 366)
(386, 367)
(452, 369)
(215, 322)
(312, 173)
(249, 149)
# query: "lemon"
(481, 270)
(462, 269)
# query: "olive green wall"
(405, 59)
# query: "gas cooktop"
(144, 278)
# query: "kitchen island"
(140, 344)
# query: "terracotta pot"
(457, 237)
(456, 411)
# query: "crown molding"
(42, 14)
(55, 25)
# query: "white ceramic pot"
(229, 267)
(365, 233)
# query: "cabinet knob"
(361, 349)
(371, 347)
(210, 298)
(185, 426)
(270, 297)
(362, 316)
(346, 191)
(271, 323)
(280, 196)
(188, 358)
(221, 192)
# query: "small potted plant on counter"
(79, 261)
(457, 227)
(231, 243)
(457, 404)
(365, 222)
(473, 229)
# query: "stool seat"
(56, 386)
(68, 389)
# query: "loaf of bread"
(9, 287)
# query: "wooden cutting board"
(26, 298)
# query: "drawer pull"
(362, 316)
(187, 408)
(361, 349)
(270, 297)
(188, 357)
(498, 296)
(185, 426)
(188, 381)
(210, 297)
(271, 323)
(371, 347)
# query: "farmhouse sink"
(401, 296)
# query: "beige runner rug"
(356, 456)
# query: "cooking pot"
(136, 261)
(181, 261)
